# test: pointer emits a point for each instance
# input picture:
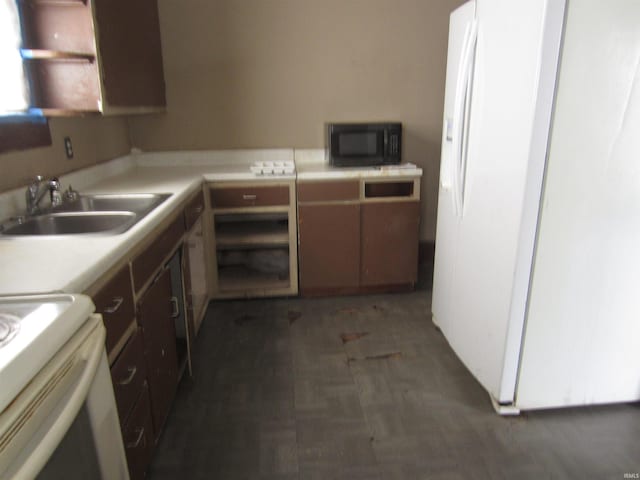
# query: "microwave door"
(358, 146)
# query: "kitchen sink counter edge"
(72, 263)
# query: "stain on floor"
(275, 397)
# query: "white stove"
(32, 329)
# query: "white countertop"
(72, 263)
(312, 165)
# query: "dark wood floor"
(365, 388)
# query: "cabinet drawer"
(128, 375)
(249, 196)
(138, 437)
(328, 191)
(193, 210)
(146, 263)
(115, 302)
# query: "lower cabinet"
(329, 246)
(156, 319)
(128, 375)
(390, 243)
(358, 236)
(149, 306)
(138, 436)
(253, 248)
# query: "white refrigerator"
(537, 260)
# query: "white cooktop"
(32, 329)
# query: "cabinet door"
(390, 243)
(329, 249)
(195, 274)
(137, 435)
(130, 53)
(155, 317)
(115, 302)
(129, 375)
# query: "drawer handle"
(132, 373)
(138, 440)
(199, 209)
(117, 301)
(249, 197)
(174, 306)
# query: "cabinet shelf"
(234, 235)
(255, 249)
(239, 278)
(36, 54)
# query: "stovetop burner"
(9, 326)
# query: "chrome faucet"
(37, 190)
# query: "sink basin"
(140, 203)
(98, 214)
(73, 222)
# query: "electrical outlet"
(68, 147)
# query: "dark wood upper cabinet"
(101, 56)
(130, 53)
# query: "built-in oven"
(58, 416)
(363, 144)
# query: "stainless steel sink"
(139, 203)
(88, 214)
(73, 222)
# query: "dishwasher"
(58, 416)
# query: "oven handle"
(90, 354)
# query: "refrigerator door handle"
(460, 118)
(446, 163)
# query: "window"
(13, 85)
(19, 127)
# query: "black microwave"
(363, 144)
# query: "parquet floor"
(365, 388)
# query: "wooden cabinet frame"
(273, 202)
(387, 195)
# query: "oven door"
(64, 424)
(356, 145)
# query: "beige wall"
(270, 73)
(94, 139)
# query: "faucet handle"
(54, 191)
(71, 195)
